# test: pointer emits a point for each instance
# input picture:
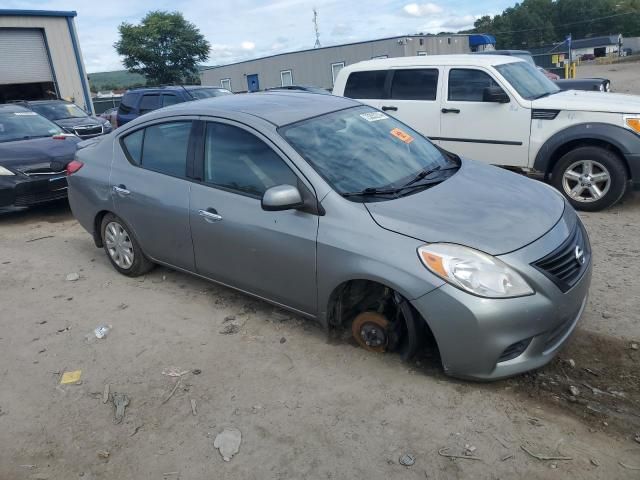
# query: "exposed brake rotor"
(370, 329)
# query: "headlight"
(5, 171)
(633, 123)
(473, 271)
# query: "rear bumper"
(23, 191)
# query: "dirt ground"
(307, 407)
(625, 76)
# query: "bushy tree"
(164, 47)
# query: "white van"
(502, 110)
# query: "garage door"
(23, 57)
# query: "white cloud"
(246, 45)
(422, 10)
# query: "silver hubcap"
(586, 181)
(118, 245)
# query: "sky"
(244, 29)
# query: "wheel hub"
(370, 330)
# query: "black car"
(33, 154)
(70, 117)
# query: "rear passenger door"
(150, 189)
(413, 99)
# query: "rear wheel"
(592, 178)
(121, 247)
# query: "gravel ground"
(624, 76)
(307, 407)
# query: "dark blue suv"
(142, 100)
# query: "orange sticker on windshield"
(404, 136)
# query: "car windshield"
(25, 125)
(200, 93)
(59, 110)
(528, 81)
(362, 148)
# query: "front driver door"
(496, 133)
(236, 242)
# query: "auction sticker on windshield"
(373, 116)
(401, 135)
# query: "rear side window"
(415, 84)
(369, 84)
(149, 103)
(467, 85)
(128, 103)
(238, 160)
(170, 100)
(162, 147)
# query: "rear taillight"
(73, 166)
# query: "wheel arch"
(611, 137)
(97, 227)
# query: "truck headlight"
(473, 271)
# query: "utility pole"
(315, 26)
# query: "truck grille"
(565, 265)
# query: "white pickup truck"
(502, 110)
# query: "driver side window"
(237, 160)
(467, 85)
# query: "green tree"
(165, 47)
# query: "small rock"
(634, 346)
(228, 443)
(572, 363)
(574, 391)
(72, 277)
(606, 314)
(282, 340)
(469, 449)
(407, 459)
(229, 318)
(103, 454)
(637, 437)
(606, 424)
(196, 371)
(554, 465)
(594, 462)
(230, 329)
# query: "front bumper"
(24, 191)
(474, 333)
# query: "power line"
(566, 24)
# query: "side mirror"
(281, 197)
(495, 95)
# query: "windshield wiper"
(421, 174)
(371, 191)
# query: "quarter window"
(335, 69)
(467, 85)
(237, 160)
(149, 102)
(415, 84)
(286, 78)
(133, 146)
(367, 84)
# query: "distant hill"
(118, 79)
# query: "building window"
(449, 41)
(422, 53)
(335, 69)
(226, 83)
(286, 78)
(421, 41)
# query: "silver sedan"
(345, 215)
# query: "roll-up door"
(23, 57)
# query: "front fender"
(624, 140)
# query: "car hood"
(586, 101)
(483, 207)
(76, 121)
(37, 152)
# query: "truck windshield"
(361, 148)
(528, 81)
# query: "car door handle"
(392, 108)
(210, 215)
(450, 110)
(121, 190)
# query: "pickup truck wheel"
(122, 248)
(592, 178)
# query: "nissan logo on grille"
(579, 253)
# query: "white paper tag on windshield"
(373, 116)
(24, 113)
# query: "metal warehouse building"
(40, 57)
(320, 66)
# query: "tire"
(592, 178)
(122, 248)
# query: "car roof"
(433, 61)
(12, 107)
(171, 88)
(276, 107)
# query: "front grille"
(28, 199)
(88, 130)
(544, 114)
(565, 265)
